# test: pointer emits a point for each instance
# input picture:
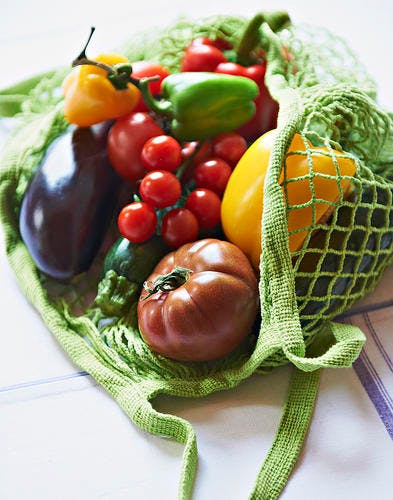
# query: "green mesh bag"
(342, 259)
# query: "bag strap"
(289, 438)
(11, 98)
(335, 346)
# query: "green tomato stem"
(168, 282)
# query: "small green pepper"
(116, 294)
(202, 105)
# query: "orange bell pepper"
(242, 204)
(90, 96)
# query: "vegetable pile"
(189, 152)
(176, 242)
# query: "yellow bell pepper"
(242, 204)
(90, 96)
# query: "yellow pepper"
(91, 97)
(242, 204)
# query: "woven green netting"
(331, 107)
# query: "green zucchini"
(135, 261)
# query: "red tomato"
(141, 69)
(160, 188)
(229, 146)
(230, 68)
(210, 312)
(206, 206)
(219, 43)
(213, 174)
(163, 152)
(256, 73)
(204, 152)
(201, 58)
(137, 222)
(179, 226)
(125, 142)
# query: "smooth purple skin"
(69, 203)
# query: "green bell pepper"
(201, 105)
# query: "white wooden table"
(63, 437)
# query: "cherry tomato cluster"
(179, 210)
(180, 185)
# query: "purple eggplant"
(69, 203)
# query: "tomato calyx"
(167, 282)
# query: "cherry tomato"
(230, 68)
(201, 58)
(204, 152)
(213, 174)
(255, 72)
(219, 43)
(206, 206)
(160, 188)
(141, 69)
(229, 146)
(209, 314)
(179, 226)
(163, 152)
(125, 142)
(137, 221)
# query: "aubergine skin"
(69, 203)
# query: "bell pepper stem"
(163, 107)
(82, 55)
(277, 20)
(168, 282)
(249, 40)
(89, 62)
(251, 37)
(119, 75)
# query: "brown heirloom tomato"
(202, 314)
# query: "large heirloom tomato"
(203, 313)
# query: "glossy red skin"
(160, 188)
(211, 314)
(255, 72)
(206, 206)
(219, 43)
(141, 69)
(137, 222)
(201, 58)
(179, 226)
(125, 142)
(229, 146)
(213, 174)
(162, 152)
(203, 154)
